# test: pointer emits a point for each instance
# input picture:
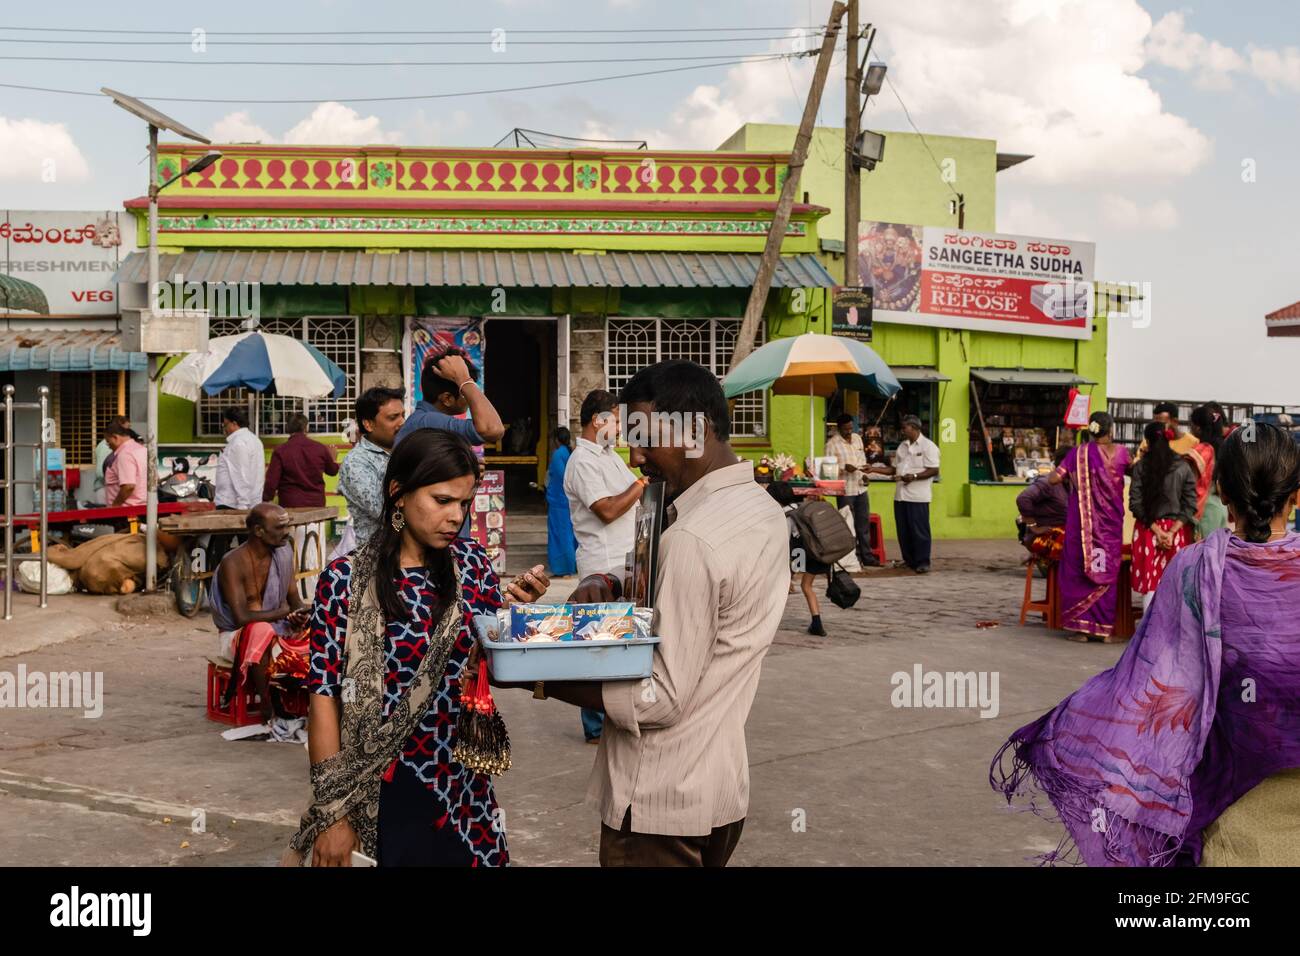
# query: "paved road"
(839, 775)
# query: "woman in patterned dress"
(392, 657)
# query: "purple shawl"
(1204, 704)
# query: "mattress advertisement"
(953, 278)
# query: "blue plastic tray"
(625, 659)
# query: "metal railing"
(10, 483)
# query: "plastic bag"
(58, 580)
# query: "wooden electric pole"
(852, 175)
(781, 218)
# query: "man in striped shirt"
(671, 778)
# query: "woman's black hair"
(1258, 471)
(1158, 460)
(426, 456)
(1208, 422)
(1104, 425)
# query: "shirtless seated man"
(255, 604)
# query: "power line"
(395, 99)
(496, 61)
(311, 33)
(355, 42)
(917, 130)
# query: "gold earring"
(398, 520)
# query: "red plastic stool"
(245, 706)
(1028, 605)
(877, 538)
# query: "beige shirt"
(848, 452)
(673, 748)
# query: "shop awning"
(543, 270)
(67, 350)
(917, 373)
(1029, 376)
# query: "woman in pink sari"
(1094, 531)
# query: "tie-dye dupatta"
(1124, 759)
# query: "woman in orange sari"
(1208, 423)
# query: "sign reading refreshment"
(69, 256)
(930, 275)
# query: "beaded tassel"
(482, 743)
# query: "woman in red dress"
(1162, 497)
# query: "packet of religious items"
(603, 622)
(541, 622)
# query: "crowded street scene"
(740, 436)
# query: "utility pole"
(852, 175)
(781, 218)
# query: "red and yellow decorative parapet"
(393, 197)
(377, 171)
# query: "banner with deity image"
(952, 278)
(428, 333)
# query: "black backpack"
(824, 532)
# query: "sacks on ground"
(57, 580)
(850, 561)
(825, 534)
(107, 565)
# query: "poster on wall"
(426, 333)
(63, 262)
(487, 518)
(953, 278)
(851, 312)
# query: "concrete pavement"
(839, 775)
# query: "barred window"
(83, 404)
(632, 344)
(337, 339)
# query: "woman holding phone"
(403, 736)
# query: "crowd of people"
(1164, 749)
(1185, 752)
(1075, 518)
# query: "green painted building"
(1021, 379)
(567, 270)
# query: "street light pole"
(852, 175)
(151, 406)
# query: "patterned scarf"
(1144, 756)
(347, 784)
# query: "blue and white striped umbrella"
(275, 364)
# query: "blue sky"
(1140, 115)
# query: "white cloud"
(330, 124)
(1277, 69)
(1124, 213)
(239, 128)
(35, 151)
(1055, 78)
(336, 124)
(1022, 218)
(1171, 44)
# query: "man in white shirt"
(845, 446)
(916, 463)
(241, 468)
(603, 494)
(602, 490)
